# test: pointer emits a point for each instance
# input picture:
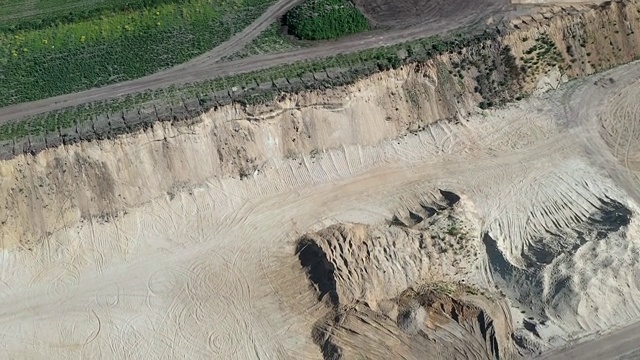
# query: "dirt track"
(443, 19)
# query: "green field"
(37, 14)
(325, 19)
(122, 45)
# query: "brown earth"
(407, 13)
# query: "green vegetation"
(325, 19)
(545, 53)
(268, 42)
(18, 15)
(499, 78)
(65, 58)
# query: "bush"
(325, 19)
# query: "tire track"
(109, 297)
(132, 340)
(633, 116)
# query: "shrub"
(325, 19)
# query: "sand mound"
(411, 325)
(367, 274)
(357, 262)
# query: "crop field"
(36, 14)
(325, 19)
(67, 57)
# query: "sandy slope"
(210, 271)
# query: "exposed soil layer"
(524, 55)
(203, 252)
(378, 292)
(416, 324)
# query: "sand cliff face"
(62, 186)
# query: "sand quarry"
(497, 235)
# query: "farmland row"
(16, 15)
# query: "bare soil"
(407, 13)
(391, 216)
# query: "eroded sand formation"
(367, 274)
(390, 216)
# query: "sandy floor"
(211, 273)
(560, 2)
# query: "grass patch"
(65, 58)
(269, 41)
(325, 19)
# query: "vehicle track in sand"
(445, 18)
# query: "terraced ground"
(345, 223)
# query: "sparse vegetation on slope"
(325, 19)
(66, 58)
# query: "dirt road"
(446, 18)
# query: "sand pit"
(499, 236)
